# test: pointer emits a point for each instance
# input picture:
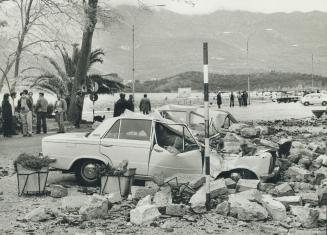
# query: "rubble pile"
(295, 198)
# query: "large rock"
(266, 187)
(147, 200)
(176, 209)
(96, 207)
(308, 217)
(237, 127)
(246, 210)
(298, 174)
(58, 191)
(198, 201)
(244, 184)
(230, 184)
(223, 208)
(320, 175)
(290, 200)
(144, 214)
(218, 188)
(269, 144)
(250, 132)
(263, 130)
(317, 147)
(139, 192)
(321, 160)
(310, 198)
(39, 215)
(73, 203)
(283, 189)
(323, 214)
(251, 195)
(163, 197)
(322, 195)
(275, 208)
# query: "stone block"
(275, 208)
(290, 200)
(139, 192)
(163, 197)
(176, 209)
(283, 189)
(144, 214)
(58, 191)
(308, 217)
(244, 184)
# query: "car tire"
(324, 103)
(86, 172)
(306, 103)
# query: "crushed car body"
(151, 144)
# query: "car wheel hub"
(89, 171)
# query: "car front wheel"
(86, 172)
(324, 103)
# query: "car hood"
(65, 136)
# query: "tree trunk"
(83, 61)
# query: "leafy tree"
(62, 79)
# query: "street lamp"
(247, 59)
(133, 46)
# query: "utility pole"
(133, 60)
(312, 72)
(247, 66)
(206, 122)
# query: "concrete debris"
(244, 184)
(249, 132)
(275, 208)
(296, 173)
(230, 183)
(283, 189)
(176, 209)
(309, 198)
(147, 200)
(267, 187)
(73, 203)
(223, 208)
(163, 197)
(198, 201)
(308, 217)
(144, 214)
(39, 215)
(232, 143)
(139, 192)
(218, 188)
(95, 208)
(290, 200)
(237, 127)
(193, 180)
(58, 191)
(246, 210)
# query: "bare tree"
(36, 19)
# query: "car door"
(169, 157)
(128, 139)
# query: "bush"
(108, 170)
(32, 162)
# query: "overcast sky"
(208, 6)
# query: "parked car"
(152, 145)
(314, 98)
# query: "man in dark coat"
(219, 99)
(6, 116)
(120, 105)
(145, 104)
(231, 103)
(41, 109)
(130, 102)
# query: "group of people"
(122, 104)
(242, 98)
(25, 109)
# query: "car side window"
(134, 129)
(113, 133)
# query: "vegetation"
(234, 82)
(108, 170)
(32, 162)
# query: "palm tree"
(62, 80)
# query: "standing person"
(30, 113)
(79, 105)
(6, 116)
(130, 103)
(219, 99)
(12, 103)
(245, 98)
(120, 105)
(25, 110)
(41, 108)
(145, 104)
(239, 98)
(60, 108)
(231, 103)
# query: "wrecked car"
(219, 120)
(150, 144)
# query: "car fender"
(69, 165)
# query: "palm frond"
(50, 82)
(96, 57)
(106, 86)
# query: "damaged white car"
(152, 145)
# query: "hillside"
(234, 82)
